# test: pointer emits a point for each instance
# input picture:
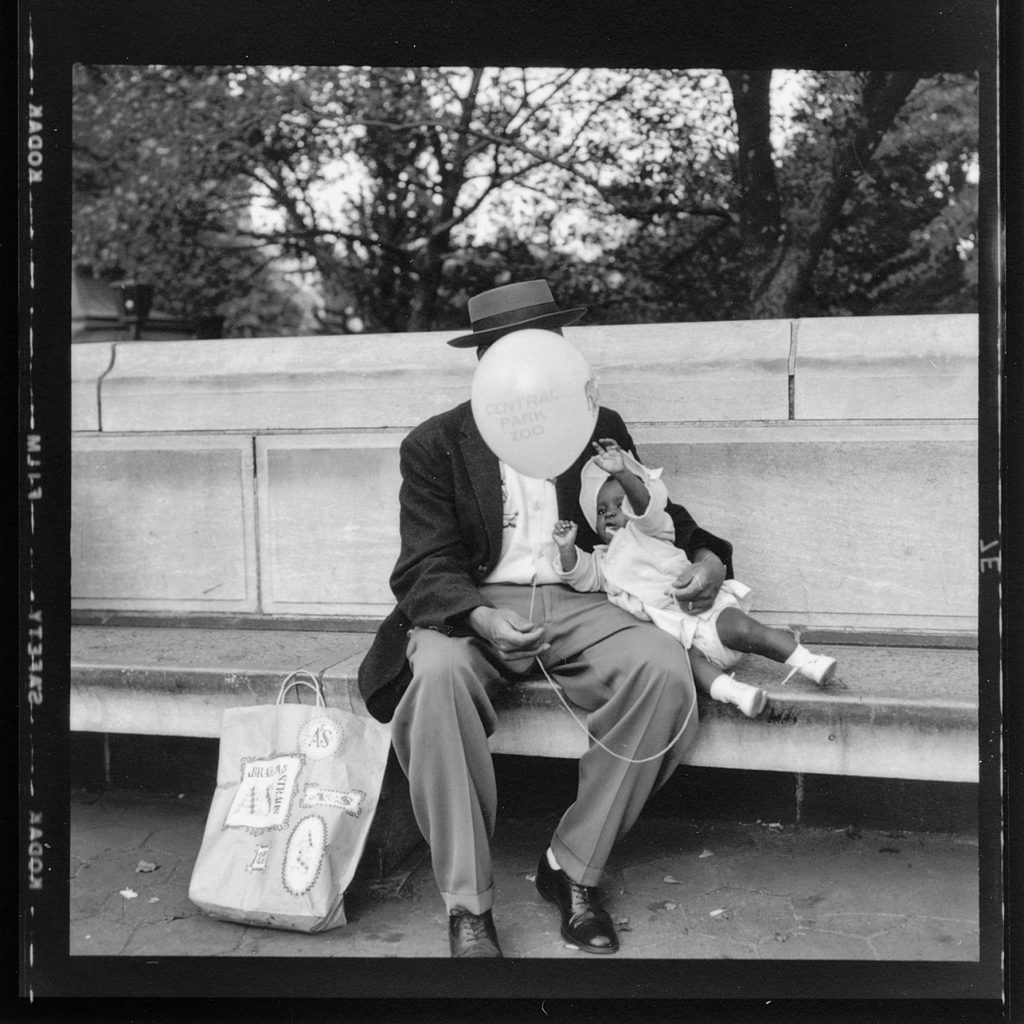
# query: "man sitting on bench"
(468, 622)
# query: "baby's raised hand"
(564, 533)
(609, 455)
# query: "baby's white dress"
(641, 563)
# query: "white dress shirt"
(529, 514)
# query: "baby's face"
(610, 516)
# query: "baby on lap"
(636, 564)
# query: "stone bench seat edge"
(127, 670)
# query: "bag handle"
(296, 679)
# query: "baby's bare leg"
(704, 673)
(739, 632)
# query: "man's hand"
(695, 590)
(516, 640)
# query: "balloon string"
(622, 757)
(558, 690)
(536, 547)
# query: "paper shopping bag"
(297, 787)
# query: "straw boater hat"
(592, 478)
(513, 307)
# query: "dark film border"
(54, 34)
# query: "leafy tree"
(870, 212)
(151, 202)
(394, 193)
(365, 174)
(868, 207)
(905, 241)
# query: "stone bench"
(906, 712)
(234, 516)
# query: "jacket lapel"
(484, 476)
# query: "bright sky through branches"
(696, 102)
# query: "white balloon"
(534, 399)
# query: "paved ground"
(676, 890)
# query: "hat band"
(514, 316)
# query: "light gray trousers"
(634, 681)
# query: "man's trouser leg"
(439, 733)
(644, 678)
(635, 681)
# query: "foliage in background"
(155, 199)
(295, 200)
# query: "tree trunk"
(429, 275)
(784, 264)
(759, 205)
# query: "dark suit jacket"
(451, 523)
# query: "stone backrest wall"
(261, 475)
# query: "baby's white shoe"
(820, 669)
(751, 700)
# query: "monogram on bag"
(297, 788)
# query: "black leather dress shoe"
(584, 923)
(472, 934)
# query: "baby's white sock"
(801, 656)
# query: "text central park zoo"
(522, 416)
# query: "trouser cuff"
(475, 903)
(578, 870)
